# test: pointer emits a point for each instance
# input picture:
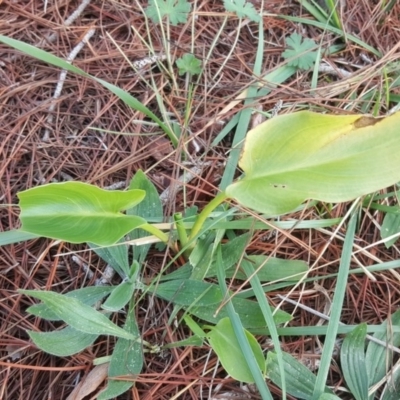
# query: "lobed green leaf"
(77, 212)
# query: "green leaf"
(15, 236)
(392, 387)
(202, 299)
(120, 296)
(116, 256)
(89, 296)
(300, 381)
(150, 209)
(272, 269)
(78, 212)
(223, 341)
(189, 292)
(78, 315)
(305, 155)
(299, 53)
(231, 253)
(390, 226)
(126, 360)
(328, 396)
(189, 64)
(378, 358)
(242, 9)
(66, 342)
(176, 10)
(352, 357)
(58, 62)
(189, 341)
(194, 327)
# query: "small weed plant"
(290, 162)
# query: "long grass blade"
(241, 336)
(337, 305)
(269, 319)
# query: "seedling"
(287, 161)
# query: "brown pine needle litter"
(56, 127)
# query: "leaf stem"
(207, 210)
(182, 234)
(156, 232)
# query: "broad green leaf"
(352, 358)
(390, 226)
(88, 295)
(291, 158)
(126, 360)
(223, 341)
(378, 358)
(66, 342)
(300, 381)
(77, 212)
(78, 315)
(120, 296)
(150, 209)
(203, 299)
(15, 236)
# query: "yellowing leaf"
(305, 155)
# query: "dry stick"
(105, 280)
(61, 80)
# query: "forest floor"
(86, 133)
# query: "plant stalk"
(156, 232)
(207, 210)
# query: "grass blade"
(337, 305)
(269, 319)
(241, 336)
(120, 93)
